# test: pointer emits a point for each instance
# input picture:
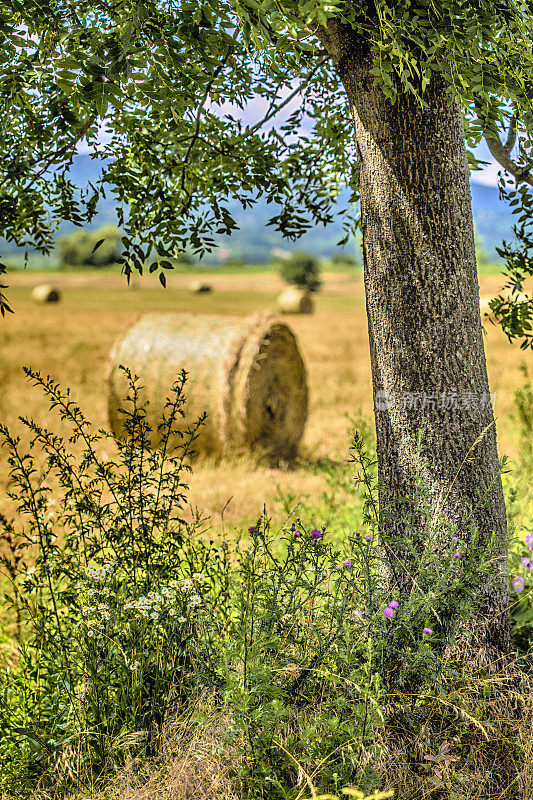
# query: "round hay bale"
(247, 373)
(199, 287)
(45, 293)
(295, 301)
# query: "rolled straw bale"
(45, 293)
(198, 287)
(295, 301)
(247, 373)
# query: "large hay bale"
(295, 301)
(199, 287)
(247, 373)
(45, 293)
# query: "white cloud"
(488, 176)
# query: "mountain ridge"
(253, 241)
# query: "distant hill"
(254, 241)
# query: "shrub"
(301, 270)
(77, 249)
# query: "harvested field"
(72, 340)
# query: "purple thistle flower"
(316, 534)
(455, 539)
(393, 604)
(518, 583)
(368, 537)
(348, 564)
(252, 529)
(280, 569)
(396, 589)
(297, 534)
(526, 563)
(428, 631)
(357, 533)
(457, 555)
(388, 612)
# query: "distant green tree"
(344, 258)
(302, 270)
(78, 248)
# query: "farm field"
(71, 341)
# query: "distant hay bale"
(247, 373)
(199, 287)
(45, 293)
(295, 301)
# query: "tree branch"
(62, 151)
(199, 113)
(502, 153)
(273, 110)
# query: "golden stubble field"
(71, 341)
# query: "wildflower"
(195, 600)
(393, 604)
(388, 612)
(297, 534)
(357, 614)
(348, 564)
(135, 665)
(457, 555)
(529, 541)
(526, 563)
(280, 569)
(396, 589)
(182, 619)
(286, 617)
(518, 583)
(171, 613)
(252, 529)
(154, 615)
(455, 538)
(368, 537)
(198, 577)
(357, 534)
(316, 534)
(428, 631)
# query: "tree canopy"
(158, 90)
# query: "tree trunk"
(428, 362)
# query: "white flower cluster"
(152, 605)
(98, 575)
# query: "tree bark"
(422, 295)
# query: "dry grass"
(471, 741)
(194, 763)
(474, 742)
(71, 341)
